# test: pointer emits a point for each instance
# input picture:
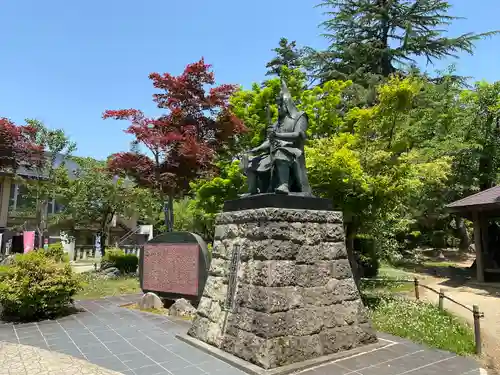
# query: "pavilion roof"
(486, 200)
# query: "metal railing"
(129, 234)
(476, 313)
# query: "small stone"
(112, 272)
(106, 265)
(182, 308)
(150, 301)
(8, 260)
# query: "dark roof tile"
(486, 197)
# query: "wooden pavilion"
(481, 208)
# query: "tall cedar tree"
(372, 37)
(287, 54)
(180, 145)
(18, 147)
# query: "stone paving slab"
(16, 359)
(136, 343)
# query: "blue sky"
(65, 62)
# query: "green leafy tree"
(210, 194)
(39, 190)
(94, 197)
(321, 104)
(370, 39)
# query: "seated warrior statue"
(278, 165)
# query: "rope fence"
(476, 313)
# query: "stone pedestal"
(280, 289)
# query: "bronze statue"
(278, 165)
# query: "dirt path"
(488, 303)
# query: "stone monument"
(280, 296)
(174, 265)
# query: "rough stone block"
(271, 249)
(294, 295)
(345, 313)
(215, 289)
(341, 269)
(204, 307)
(343, 290)
(311, 254)
(268, 272)
(345, 338)
(333, 232)
(219, 267)
(317, 296)
(220, 250)
(269, 299)
(310, 275)
(284, 351)
(250, 347)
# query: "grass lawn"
(95, 286)
(135, 306)
(388, 281)
(417, 321)
(422, 323)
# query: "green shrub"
(56, 251)
(36, 287)
(367, 257)
(126, 263)
(3, 271)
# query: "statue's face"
(282, 110)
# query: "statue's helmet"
(287, 100)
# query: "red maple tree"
(18, 147)
(180, 145)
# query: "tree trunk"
(40, 222)
(462, 234)
(104, 238)
(171, 212)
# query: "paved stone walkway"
(23, 359)
(135, 343)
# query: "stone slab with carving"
(174, 265)
(280, 288)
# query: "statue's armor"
(282, 164)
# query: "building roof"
(486, 200)
(69, 163)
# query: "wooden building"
(482, 209)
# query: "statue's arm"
(263, 147)
(299, 131)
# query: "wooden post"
(417, 292)
(478, 246)
(441, 298)
(477, 327)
